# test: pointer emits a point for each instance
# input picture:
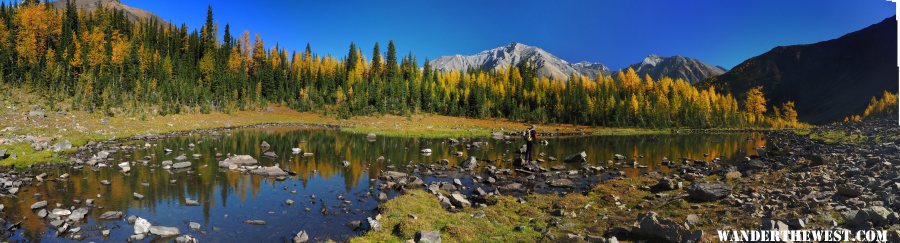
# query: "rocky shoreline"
(819, 185)
(816, 185)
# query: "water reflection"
(227, 198)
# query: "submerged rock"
(255, 222)
(164, 231)
(38, 205)
(194, 225)
(78, 214)
(191, 202)
(576, 158)
(111, 215)
(181, 165)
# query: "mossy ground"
(613, 203)
(832, 136)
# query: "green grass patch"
(837, 137)
(25, 155)
(498, 224)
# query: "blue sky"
(616, 33)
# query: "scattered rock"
(255, 222)
(562, 182)
(650, 224)
(428, 237)
(185, 239)
(111, 215)
(164, 231)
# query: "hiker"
(530, 138)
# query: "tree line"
(102, 61)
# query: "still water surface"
(228, 198)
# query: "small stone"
(185, 239)
(111, 215)
(191, 202)
(301, 237)
(255, 222)
(38, 205)
(194, 225)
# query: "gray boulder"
(428, 237)
(650, 224)
(459, 200)
(562, 182)
(238, 160)
(141, 226)
(269, 171)
(706, 192)
(36, 114)
(111, 215)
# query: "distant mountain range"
(548, 65)
(131, 12)
(828, 80)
